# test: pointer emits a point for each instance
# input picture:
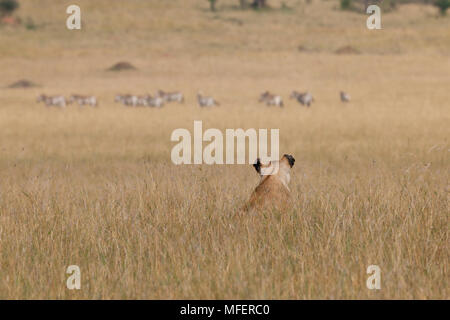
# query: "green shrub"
(212, 4)
(8, 6)
(346, 4)
(30, 25)
(443, 5)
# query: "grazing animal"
(345, 97)
(83, 100)
(271, 99)
(206, 101)
(305, 98)
(157, 102)
(143, 101)
(171, 96)
(132, 100)
(136, 101)
(55, 101)
(120, 98)
(272, 191)
(127, 100)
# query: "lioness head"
(273, 167)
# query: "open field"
(96, 187)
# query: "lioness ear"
(257, 166)
(290, 159)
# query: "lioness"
(272, 191)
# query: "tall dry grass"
(96, 188)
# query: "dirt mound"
(347, 50)
(121, 66)
(23, 84)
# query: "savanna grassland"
(96, 187)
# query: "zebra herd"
(62, 102)
(162, 97)
(304, 98)
(147, 100)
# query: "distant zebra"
(56, 101)
(271, 99)
(83, 100)
(143, 101)
(171, 96)
(206, 101)
(303, 98)
(121, 98)
(345, 97)
(127, 100)
(136, 101)
(157, 102)
(132, 100)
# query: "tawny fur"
(272, 192)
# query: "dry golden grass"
(96, 188)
